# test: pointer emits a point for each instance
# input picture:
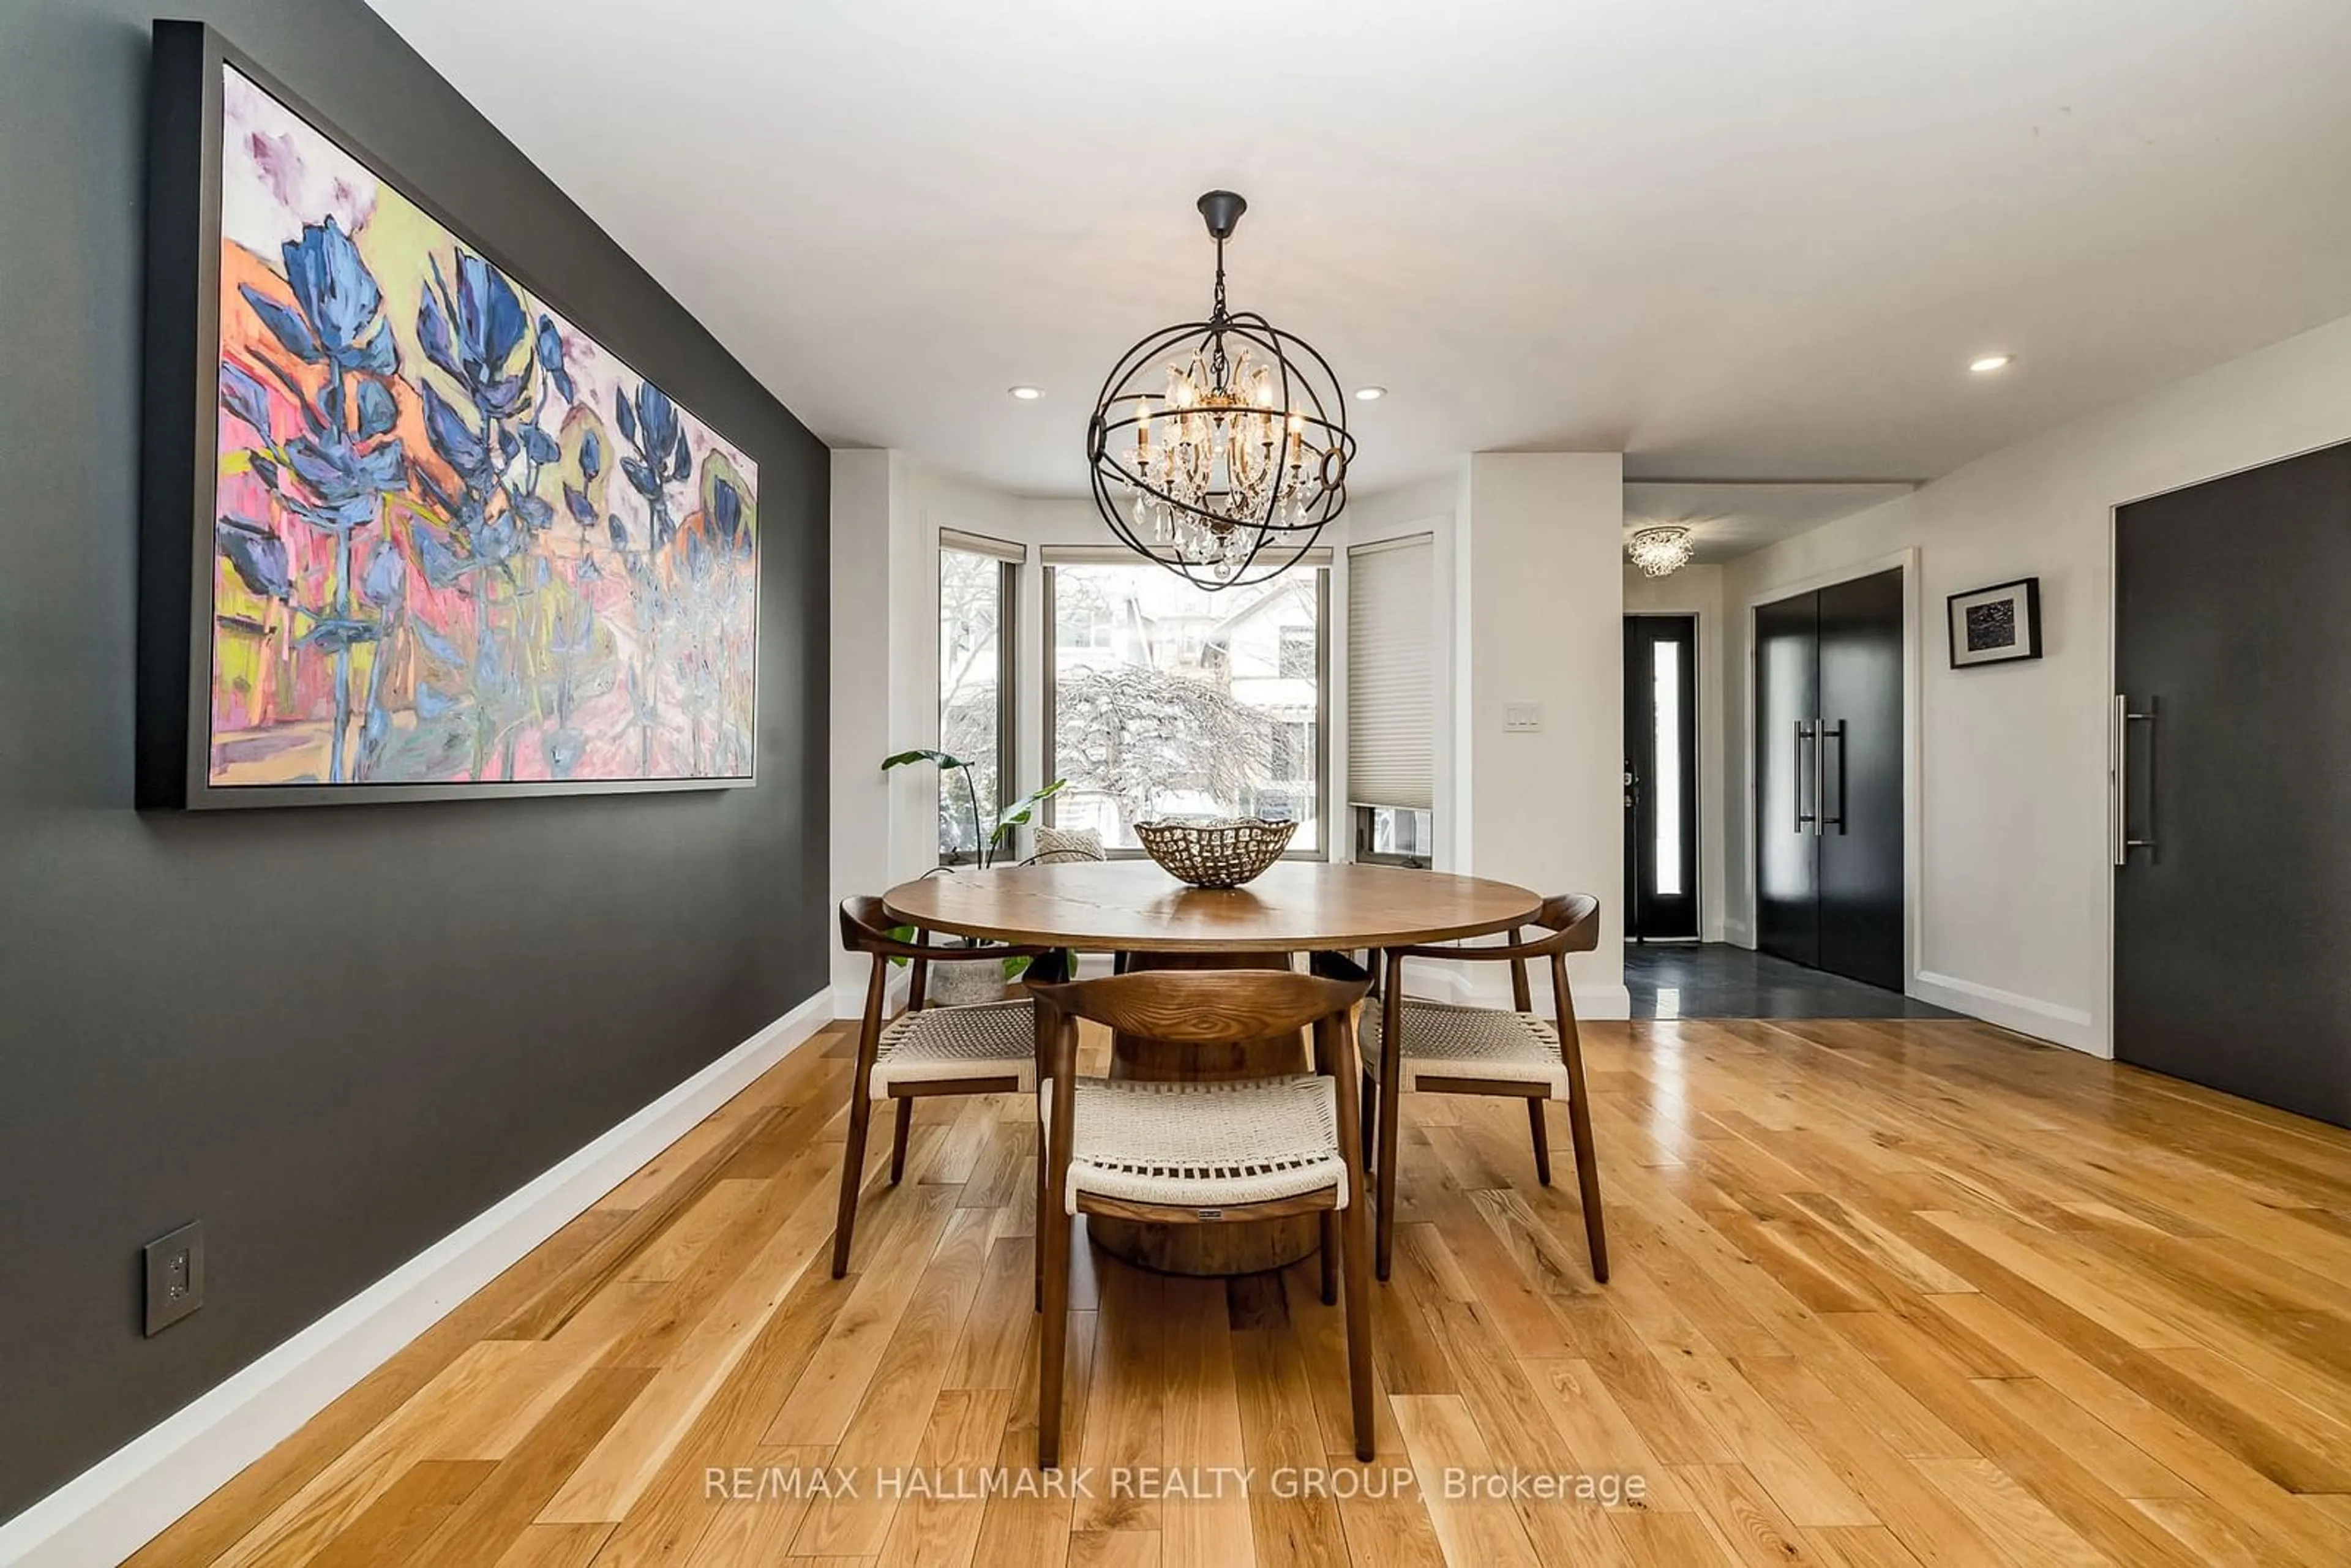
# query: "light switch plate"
(1521, 718)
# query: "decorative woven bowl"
(1215, 854)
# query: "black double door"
(2232, 782)
(1828, 766)
(1661, 843)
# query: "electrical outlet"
(175, 1276)
(1521, 718)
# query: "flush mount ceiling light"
(1243, 461)
(1027, 394)
(1659, 552)
(1991, 362)
(1371, 395)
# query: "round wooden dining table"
(1133, 907)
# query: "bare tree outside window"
(1170, 701)
(973, 590)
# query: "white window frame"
(1009, 558)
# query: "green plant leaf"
(1019, 811)
(1015, 967)
(900, 934)
(947, 764)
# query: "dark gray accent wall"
(333, 1035)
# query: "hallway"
(1717, 980)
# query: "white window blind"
(1391, 610)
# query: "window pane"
(1171, 701)
(1391, 831)
(1666, 772)
(971, 617)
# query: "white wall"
(865, 647)
(1697, 591)
(1540, 605)
(2013, 880)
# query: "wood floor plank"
(1747, 1524)
(1862, 1546)
(1201, 1432)
(1443, 1440)
(498, 1511)
(1281, 1432)
(397, 1524)
(1803, 1483)
(1889, 1294)
(887, 1430)
(941, 1528)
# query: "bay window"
(1163, 699)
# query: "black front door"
(1787, 711)
(1661, 844)
(1829, 852)
(2232, 910)
(1858, 753)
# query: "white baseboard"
(849, 997)
(2063, 1026)
(120, 1504)
(1738, 933)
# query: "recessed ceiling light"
(1991, 362)
(1027, 394)
(1371, 395)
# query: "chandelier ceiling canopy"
(1219, 448)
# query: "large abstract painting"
(455, 540)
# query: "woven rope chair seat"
(993, 1040)
(1204, 1145)
(1444, 1041)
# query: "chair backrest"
(1208, 1007)
(866, 925)
(1570, 921)
(1576, 916)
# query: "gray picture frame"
(179, 422)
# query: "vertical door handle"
(2124, 719)
(1832, 732)
(1804, 737)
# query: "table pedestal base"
(1245, 1247)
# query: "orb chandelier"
(1219, 448)
(1659, 552)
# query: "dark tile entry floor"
(1716, 980)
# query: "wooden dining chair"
(987, 1049)
(1450, 1049)
(1205, 1152)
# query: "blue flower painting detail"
(457, 539)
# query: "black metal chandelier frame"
(1318, 412)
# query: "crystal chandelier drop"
(1659, 552)
(1219, 448)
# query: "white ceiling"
(1750, 238)
(1726, 521)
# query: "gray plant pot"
(965, 985)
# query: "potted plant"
(962, 983)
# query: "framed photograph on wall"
(410, 530)
(1996, 625)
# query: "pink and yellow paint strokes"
(457, 540)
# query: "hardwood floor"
(1885, 1293)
